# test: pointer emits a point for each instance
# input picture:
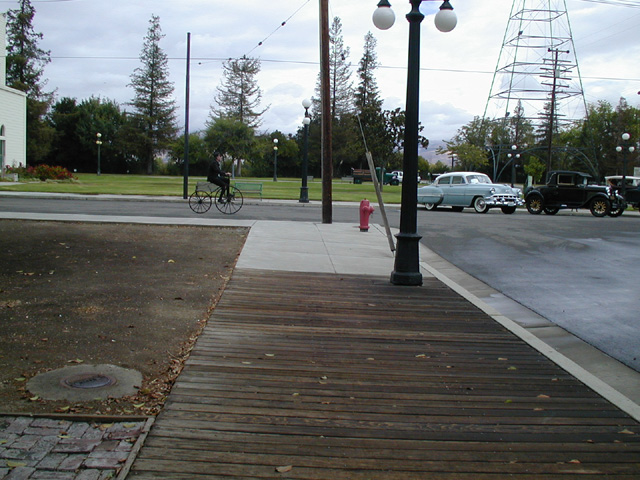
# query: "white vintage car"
(469, 189)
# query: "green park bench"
(249, 188)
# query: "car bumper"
(504, 201)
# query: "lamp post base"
(407, 264)
(304, 195)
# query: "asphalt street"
(576, 270)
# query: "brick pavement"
(33, 448)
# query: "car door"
(444, 183)
(572, 190)
(457, 191)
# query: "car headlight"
(492, 190)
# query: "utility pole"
(185, 187)
(327, 158)
(556, 75)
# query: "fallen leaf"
(422, 355)
(77, 360)
(502, 359)
(20, 379)
(33, 399)
(128, 425)
(138, 405)
(269, 355)
(106, 426)
(512, 368)
(284, 469)
(63, 409)
(543, 396)
(627, 432)
(171, 261)
(14, 464)
(574, 461)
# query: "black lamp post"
(407, 262)
(98, 143)
(304, 189)
(624, 149)
(275, 159)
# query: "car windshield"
(478, 179)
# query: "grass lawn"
(284, 188)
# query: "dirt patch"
(134, 296)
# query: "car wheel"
(616, 212)
(508, 210)
(534, 204)
(551, 210)
(480, 205)
(429, 206)
(600, 207)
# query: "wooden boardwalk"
(314, 376)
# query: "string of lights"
(278, 28)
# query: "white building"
(13, 113)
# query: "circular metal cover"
(89, 380)
(86, 383)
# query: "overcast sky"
(95, 46)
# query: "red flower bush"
(42, 172)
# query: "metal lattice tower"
(537, 70)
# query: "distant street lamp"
(624, 149)
(98, 143)
(407, 262)
(513, 157)
(275, 159)
(304, 189)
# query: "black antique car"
(569, 189)
(632, 188)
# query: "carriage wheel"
(200, 202)
(230, 204)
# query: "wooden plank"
(348, 377)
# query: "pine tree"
(341, 87)
(369, 106)
(153, 103)
(239, 96)
(25, 66)
(25, 60)
(367, 94)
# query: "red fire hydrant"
(365, 210)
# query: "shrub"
(42, 172)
